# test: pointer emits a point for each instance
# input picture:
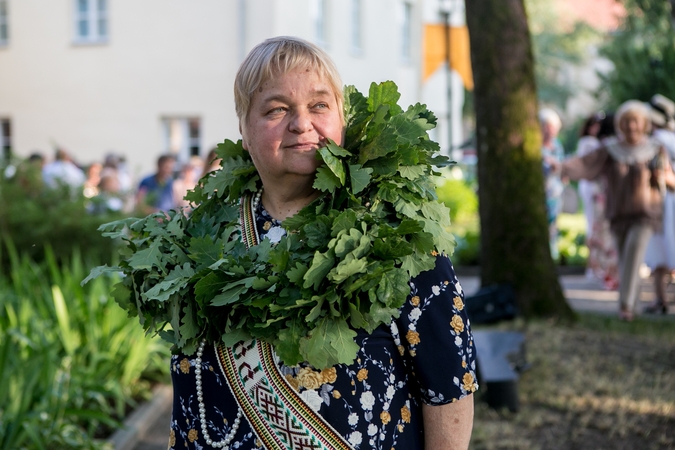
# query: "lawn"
(600, 384)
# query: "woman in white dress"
(588, 190)
(660, 255)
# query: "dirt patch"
(601, 384)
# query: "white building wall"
(166, 58)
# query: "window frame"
(190, 128)
(96, 19)
(319, 12)
(406, 30)
(4, 23)
(6, 139)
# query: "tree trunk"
(514, 231)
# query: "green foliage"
(71, 363)
(572, 240)
(643, 54)
(467, 252)
(460, 198)
(345, 263)
(34, 217)
(556, 46)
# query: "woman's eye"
(277, 110)
(321, 105)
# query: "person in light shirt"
(660, 255)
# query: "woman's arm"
(587, 167)
(670, 180)
(448, 427)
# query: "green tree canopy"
(557, 45)
(643, 54)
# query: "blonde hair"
(278, 56)
(636, 108)
(549, 116)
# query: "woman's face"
(594, 129)
(291, 116)
(633, 128)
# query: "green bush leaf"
(330, 343)
(334, 163)
(322, 263)
(326, 180)
(147, 258)
(359, 177)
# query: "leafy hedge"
(34, 216)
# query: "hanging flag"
(460, 56)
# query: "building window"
(319, 14)
(4, 23)
(6, 138)
(91, 21)
(357, 27)
(405, 21)
(182, 137)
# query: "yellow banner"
(460, 55)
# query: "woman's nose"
(301, 122)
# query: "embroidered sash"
(276, 412)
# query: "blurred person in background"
(108, 197)
(660, 255)
(588, 142)
(633, 166)
(552, 153)
(118, 164)
(187, 180)
(211, 162)
(93, 179)
(155, 192)
(598, 239)
(62, 172)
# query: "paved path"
(581, 293)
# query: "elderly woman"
(399, 391)
(552, 154)
(636, 172)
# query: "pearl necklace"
(198, 374)
(202, 410)
(256, 199)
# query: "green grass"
(598, 384)
(72, 364)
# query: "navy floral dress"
(427, 355)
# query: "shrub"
(34, 217)
(71, 363)
(463, 203)
(572, 240)
(460, 198)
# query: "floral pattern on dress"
(426, 355)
